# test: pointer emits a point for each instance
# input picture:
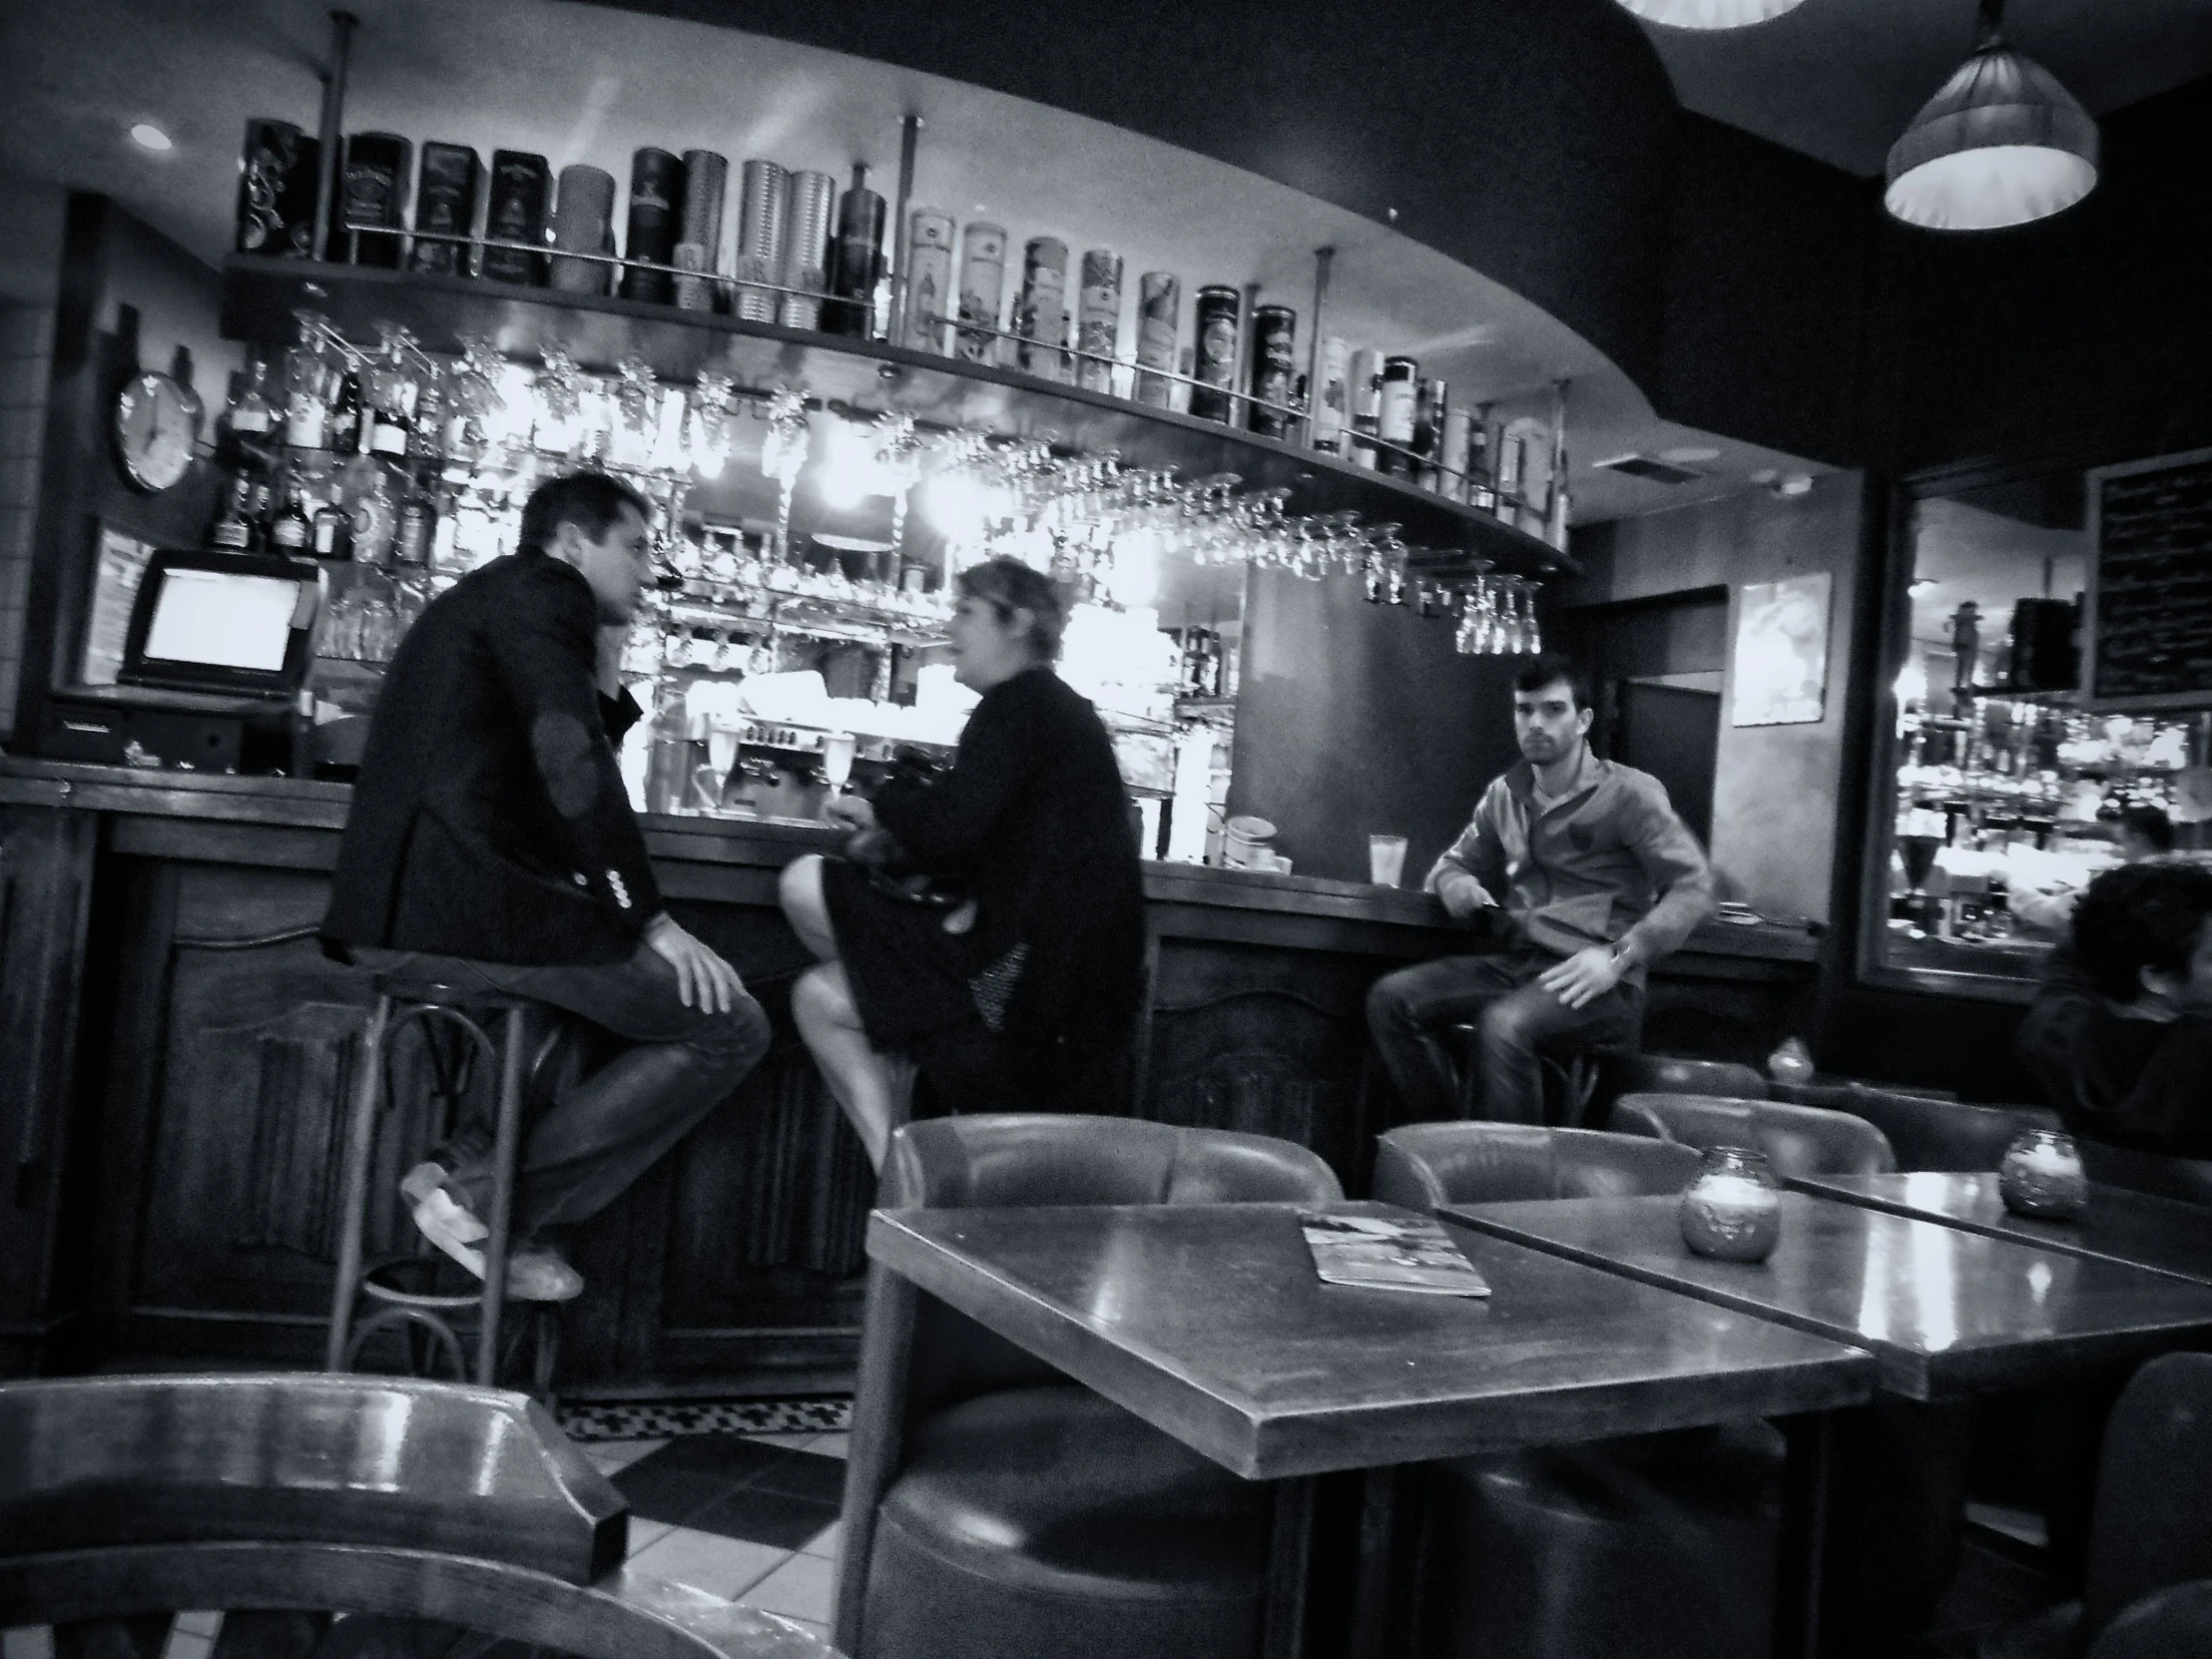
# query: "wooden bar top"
(1186, 899)
(1947, 1312)
(1208, 1321)
(2118, 1225)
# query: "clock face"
(155, 421)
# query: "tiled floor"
(750, 1517)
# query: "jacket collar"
(1596, 771)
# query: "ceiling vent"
(1645, 466)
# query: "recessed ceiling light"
(1690, 454)
(1922, 584)
(146, 136)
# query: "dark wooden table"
(1946, 1311)
(1207, 1321)
(2118, 1225)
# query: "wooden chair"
(435, 1516)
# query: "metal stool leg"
(359, 1156)
(505, 1154)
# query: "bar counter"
(173, 1049)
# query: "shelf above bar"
(259, 296)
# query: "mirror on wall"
(1998, 797)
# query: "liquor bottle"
(389, 425)
(410, 549)
(242, 434)
(331, 535)
(309, 387)
(231, 531)
(292, 531)
(376, 512)
(344, 425)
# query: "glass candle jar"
(2041, 1175)
(1733, 1210)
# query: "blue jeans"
(599, 1134)
(1408, 1011)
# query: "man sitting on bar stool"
(1600, 879)
(491, 845)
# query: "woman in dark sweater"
(1008, 997)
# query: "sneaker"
(535, 1272)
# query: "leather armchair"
(2148, 1588)
(1420, 1166)
(1799, 1140)
(1675, 1075)
(1931, 1134)
(992, 1507)
(2157, 1173)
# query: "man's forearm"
(1667, 926)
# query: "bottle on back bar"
(292, 530)
(345, 424)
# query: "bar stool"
(471, 1014)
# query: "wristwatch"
(1625, 953)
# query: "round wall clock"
(155, 421)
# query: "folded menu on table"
(1390, 1253)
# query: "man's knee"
(733, 1040)
(1512, 1024)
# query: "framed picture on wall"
(1780, 666)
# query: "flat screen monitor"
(225, 622)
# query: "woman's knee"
(799, 889)
(821, 996)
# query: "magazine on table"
(1390, 1253)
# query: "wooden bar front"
(173, 1049)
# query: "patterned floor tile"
(829, 1445)
(726, 1567)
(644, 1533)
(799, 1589)
(766, 1517)
(643, 1419)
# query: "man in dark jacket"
(2119, 1036)
(492, 843)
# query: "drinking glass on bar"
(1385, 860)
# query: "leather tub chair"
(1423, 1165)
(1659, 1546)
(1930, 1134)
(1798, 1140)
(1676, 1074)
(992, 1507)
(1834, 1092)
(2157, 1173)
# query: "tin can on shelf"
(1214, 359)
(810, 221)
(1159, 323)
(929, 292)
(1394, 414)
(1451, 460)
(763, 235)
(699, 235)
(277, 184)
(445, 201)
(856, 261)
(373, 191)
(1331, 409)
(1041, 312)
(1481, 457)
(982, 288)
(1431, 402)
(1366, 389)
(1511, 453)
(1274, 370)
(1098, 320)
(655, 216)
(516, 212)
(583, 223)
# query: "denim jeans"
(1516, 1017)
(597, 1136)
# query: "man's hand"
(703, 979)
(855, 810)
(1583, 978)
(1462, 895)
(611, 641)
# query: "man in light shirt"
(1582, 874)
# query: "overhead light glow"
(1707, 14)
(146, 136)
(2002, 143)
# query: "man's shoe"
(444, 1220)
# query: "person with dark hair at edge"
(1026, 973)
(491, 844)
(1581, 874)
(2119, 1036)
(2141, 832)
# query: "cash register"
(213, 661)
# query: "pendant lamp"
(2002, 143)
(1707, 14)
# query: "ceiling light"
(1922, 584)
(2002, 143)
(146, 136)
(1707, 14)
(1690, 454)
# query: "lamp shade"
(2002, 143)
(1707, 14)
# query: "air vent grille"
(1659, 472)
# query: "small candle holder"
(2041, 1175)
(1733, 1210)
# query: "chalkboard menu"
(2148, 631)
